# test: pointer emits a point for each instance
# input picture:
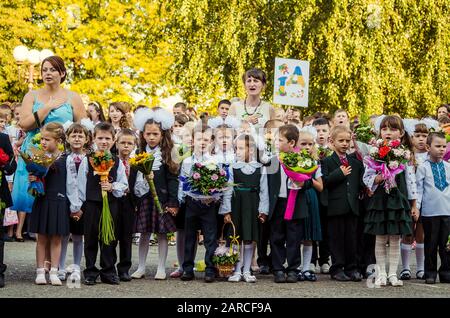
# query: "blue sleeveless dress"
(22, 201)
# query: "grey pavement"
(20, 258)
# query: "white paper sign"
(291, 82)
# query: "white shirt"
(72, 183)
(249, 168)
(186, 171)
(430, 200)
(141, 186)
(420, 157)
(119, 187)
(370, 174)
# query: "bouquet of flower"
(4, 159)
(225, 258)
(447, 246)
(183, 152)
(37, 164)
(143, 162)
(389, 158)
(324, 152)
(364, 133)
(299, 166)
(102, 162)
(207, 181)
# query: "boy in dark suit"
(5, 196)
(342, 176)
(285, 235)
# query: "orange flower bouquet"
(102, 162)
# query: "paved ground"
(20, 276)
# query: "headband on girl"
(161, 116)
(85, 122)
(230, 121)
(410, 124)
(309, 129)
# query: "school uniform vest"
(93, 188)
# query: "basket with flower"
(225, 258)
(143, 163)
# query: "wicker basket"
(225, 270)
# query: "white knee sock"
(163, 248)
(77, 241)
(307, 254)
(144, 240)
(406, 252)
(420, 256)
(380, 253)
(62, 257)
(394, 254)
(248, 255)
(238, 265)
(180, 248)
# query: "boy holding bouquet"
(286, 232)
(342, 176)
(90, 189)
(201, 210)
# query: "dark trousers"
(108, 257)
(342, 231)
(285, 239)
(201, 216)
(264, 259)
(2, 243)
(436, 229)
(323, 254)
(124, 232)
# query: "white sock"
(307, 254)
(420, 256)
(163, 248)
(248, 256)
(406, 252)
(380, 253)
(62, 257)
(394, 254)
(237, 267)
(144, 240)
(77, 241)
(180, 248)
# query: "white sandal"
(54, 279)
(381, 280)
(138, 274)
(40, 277)
(394, 281)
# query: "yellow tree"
(113, 49)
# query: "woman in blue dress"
(52, 103)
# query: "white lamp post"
(29, 58)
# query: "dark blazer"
(274, 182)
(166, 184)
(8, 169)
(341, 191)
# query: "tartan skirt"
(148, 220)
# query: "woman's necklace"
(256, 108)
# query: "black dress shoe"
(291, 277)
(309, 276)
(300, 277)
(2, 280)
(430, 280)
(264, 270)
(187, 276)
(210, 278)
(356, 276)
(341, 277)
(112, 280)
(278, 277)
(90, 281)
(125, 277)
